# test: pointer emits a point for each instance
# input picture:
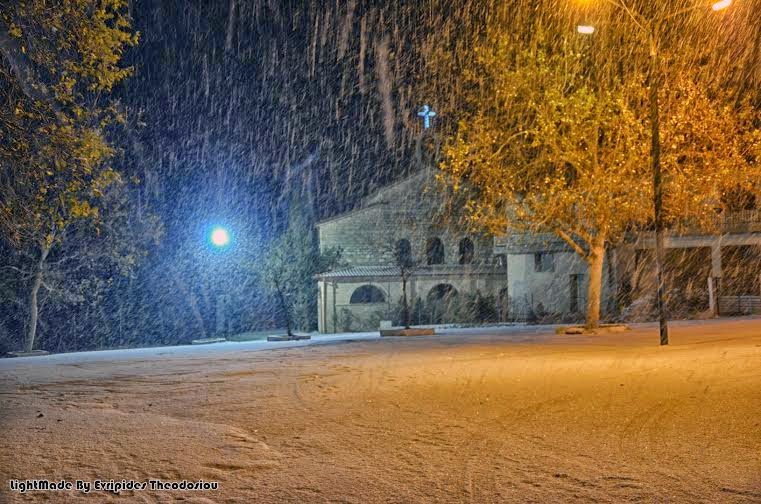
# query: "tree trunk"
(288, 325)
(284, 307)
(405, 305)
(595, 260)
(287, 320)
(192, 302)
(31, 330)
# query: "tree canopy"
(552, 138)
(57, 66)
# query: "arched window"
(434, 251)
(441, 301)
(403, 253)
(367, 294)
(466, 251)
(442, 292)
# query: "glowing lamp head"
(220, 237)
(723, 4)
(585, 29)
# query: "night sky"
(238, 106)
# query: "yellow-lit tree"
(548, 142)
(58, 64)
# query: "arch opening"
(367, 294)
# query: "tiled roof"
(393, 271)
(363, 271)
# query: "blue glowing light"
(220, 237)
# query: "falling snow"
(180, 205)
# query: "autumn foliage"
(552, 136)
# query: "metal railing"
(742, 220)
(740, 305)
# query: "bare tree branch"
(571, 242)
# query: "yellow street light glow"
(722, 4)
(589, 30)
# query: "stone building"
(526, 277)
(705, 273)
(401, 219)
(546, 277)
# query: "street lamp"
(651, 29)
(219, 237)
(723, 4)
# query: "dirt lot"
(518, 417)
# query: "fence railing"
(739, 305)
(742, 220)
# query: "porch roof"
(422, 271)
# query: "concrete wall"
(528, 289)
(360, 235)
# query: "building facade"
(520, 277)
(445, 263)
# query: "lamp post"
(655, 160)
(219, 237)
(652, 30)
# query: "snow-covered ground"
(211, 350)
(509, 414)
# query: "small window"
(367, 294)
(500, 260)
(544, 262)
(466, 251)
(434, 251)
